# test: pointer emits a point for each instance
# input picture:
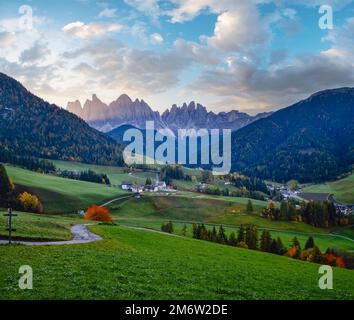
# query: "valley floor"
(133, 263)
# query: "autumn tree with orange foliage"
(97, 213)
(334, 261)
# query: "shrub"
(242, 245)
(167, 227)
(97, 213)
(30, 202)
(312, 255)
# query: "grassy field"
(41, 227)
(115, 174)
(151, 212)
(343, 190)
(60, 195)
(131, 264)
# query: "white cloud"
(247, 84)
(238, 29)
(35, 54)
(188, 10)
(156, 38)
(84, 31)
(149, 8)
(196, 53)
(108, 13)
(7, 39)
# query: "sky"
(252, 56)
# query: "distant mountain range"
(124, 111)
(29, 126)
(311, 141)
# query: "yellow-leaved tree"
(30, 202)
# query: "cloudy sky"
(252, 55)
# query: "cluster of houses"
(346, 210)
(287, 193)
(159, 186)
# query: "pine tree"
(266, 241)
(310, 243)
(296, 243)
(184, 230)
(222, 235)
(281, 249)
(274, 247)
(195, 227)
(284, 209)
(249, 208)
(241, 234)
(291, 212)
(233, 240)
(5, 185)
(214, 235)
(251, 238)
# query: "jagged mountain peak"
(126, 111)
(124, 98)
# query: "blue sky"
(251, 55)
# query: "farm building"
(127, 185)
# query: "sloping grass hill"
(60, 195)
(131, 264)
(343, 190)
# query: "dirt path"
(114, 200)
(80, 235)
(154, 231)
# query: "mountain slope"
(29, 126)
(310, 141)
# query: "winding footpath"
(80, 235)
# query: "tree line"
(248, 237)
(88, 176)
(315, 213)
(30, 163)
(47, 167)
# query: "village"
(138, 189)
(297, 194)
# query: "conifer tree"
(296, 243)
(281, 249)
(249, 208)
(310, 243)
(184, 230)
(232, 239)
(241, 234)
(274, 247)
(266, 241)
(5, 185)
(214, 235)
(251, 237)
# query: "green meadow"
(133, 264)
(59, 195)
(115, 174)
(343, 190)
(138, 264)
(38, 226)
(152, 211)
